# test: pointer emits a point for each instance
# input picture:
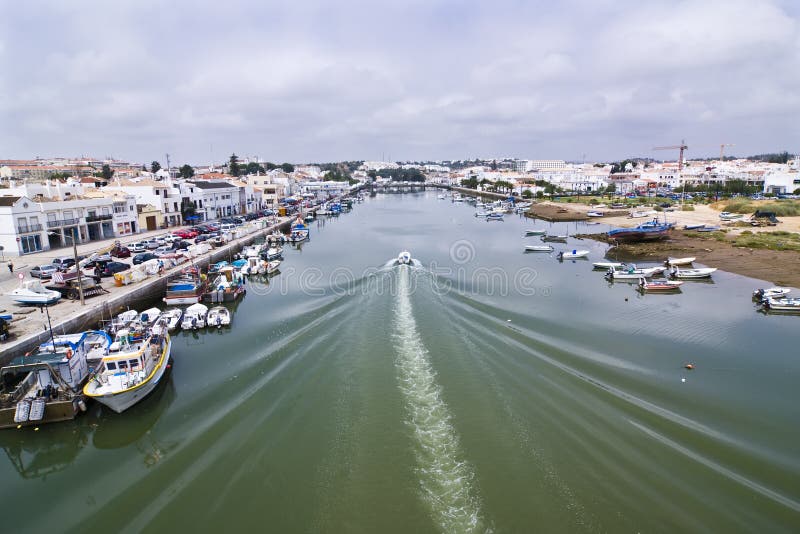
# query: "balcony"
(28, 228)
(63, 222)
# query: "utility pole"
(168, 171)
(77, 267)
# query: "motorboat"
(404, 258)
(298, 233)
(172, 317)
(529, 233)
(131, 370)
(33, 292)
(494, 216)
(253, 265)
(605, 265)
(659, 285)
(272, 266)
(692, 273)
(194, 317)
(783, 304)
(632, 273)
(123, 320)
(594, 213)
(149, 316)
(218, 316)
(771, 293)
(538, 248)
(483, 214)
(679, 261)
(572, 254)
(226, 287)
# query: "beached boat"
(659, 285)
(594, 213)
(538, 248)
(605, 265)
(649, 231)
(404, 258)
(572, 254)
(45, 385)
(689, 274)
(34, 293)
(679, 261)
(727, 216)
(693, 226)
(194, 317)
(172, 317)
(535, 231)
(786, 304)
(131, 370)
(706, 228)
(218, 316)
(771, 293)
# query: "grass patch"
(688, 207)
(781, 208)
(769, 240)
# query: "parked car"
(120, 252)
(185, 234)
(152, 244)
(180, 244)
(101, 259)
(113, 267)
(201, 238)
(137, 247)
(44, 271)
(62, 264)
(143, 257)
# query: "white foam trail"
(445, 478)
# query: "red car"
(120, 252)
(185, 234)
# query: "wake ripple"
(445, 479)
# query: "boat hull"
(55, 411)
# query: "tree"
(372, 175)
(254, 168)
(270, 166)
(471, 182)
(107, 172)
(287, 167)
(611, 189)
(527, 193)
(233, 166)
(155, 167)
(186, 171)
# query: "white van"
(227, 227)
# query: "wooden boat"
(538, 248)
(529, 233)
(218, 316)
(572, 254)
(605, 265)
(659, 285)
(131, 370)
(644, 232)
(783, 304)
(689, 274)
(679, 261)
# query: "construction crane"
(722, 150)
(680, 147)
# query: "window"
(111, 366)
(123, 364)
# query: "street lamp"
(77, 267)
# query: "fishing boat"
(771, 293)
(226, 287)
(272, 253)
(679, 261)
(194, 317)
(538, 248)
(529, 233)
(649, 231)
(44, 386)
(689, 274)
(299, 232)
(605, 265)
(253, 265)
(131, 370)
(632, 273)
(32, 292)
(786, 304)
(572, 254)
(659, 286)
(404, 258)
(218, 316)
(172, 317)
(186, 289)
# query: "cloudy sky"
(322, 81)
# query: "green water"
(482, 389)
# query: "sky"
(320, 81)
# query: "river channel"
(481, 390)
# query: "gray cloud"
(318, 81)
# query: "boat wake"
(445, 478)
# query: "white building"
(782, 183)
(212, 199)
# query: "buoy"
(683, 380)
(689, 366)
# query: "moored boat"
(538, 248)
(535, 231)
(218, 316)
(605, 265)
(771, 292)
(659, 285)
(172, 317)
(786, 304)
(187, 289)
(689, 274)
(194, 317)
(679, 261)
(632, 273)
(554, 237)
(572, 254)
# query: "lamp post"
(77, 267)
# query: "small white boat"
(481, 214)
(692, 273)
(771, 293)
(605, 265)
(272, 253)
(632, 273)
(123, 320)
(538, 248)
(572, 254)
(404, 258)
(679, 261)
(535, 231)
(554, 237)
(149, 316)
(727, 216)
(659, 285)
(33, 292)
(594, 213)
(272, 266)
(172, 317)
(494, 216)
(783, 304)
(218, 316)
(194, 317)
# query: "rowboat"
(659, 285)
(529, 233)
(692, 273)
(553, 237)
(538, 248)
(632, 273)
(605, 265)
(572, 254)
(680, 261)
